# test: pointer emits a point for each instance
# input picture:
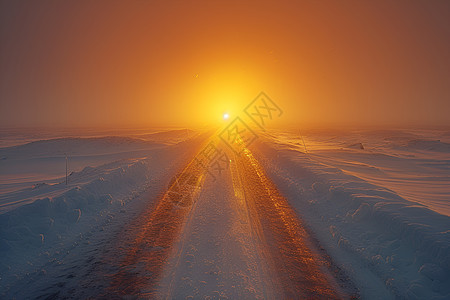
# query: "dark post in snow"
(66, 168)
(303, 141)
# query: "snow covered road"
(232, 237)
(216, 254)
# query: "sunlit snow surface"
(415, 164)
(377, 201)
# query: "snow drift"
(404, 245)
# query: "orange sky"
(183, 63)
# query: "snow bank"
(45, 160)
(44, 221)
(391, 247)
(50, 237)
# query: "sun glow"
(222, 90)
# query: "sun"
(226, 116)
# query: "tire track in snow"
(272, 286)
(153, 236)
(216, 255)
(303, 273)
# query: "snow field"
(391, 247)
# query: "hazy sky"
(145, 63)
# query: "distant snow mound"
(428, 145)
(169, 136)
(76, 146)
